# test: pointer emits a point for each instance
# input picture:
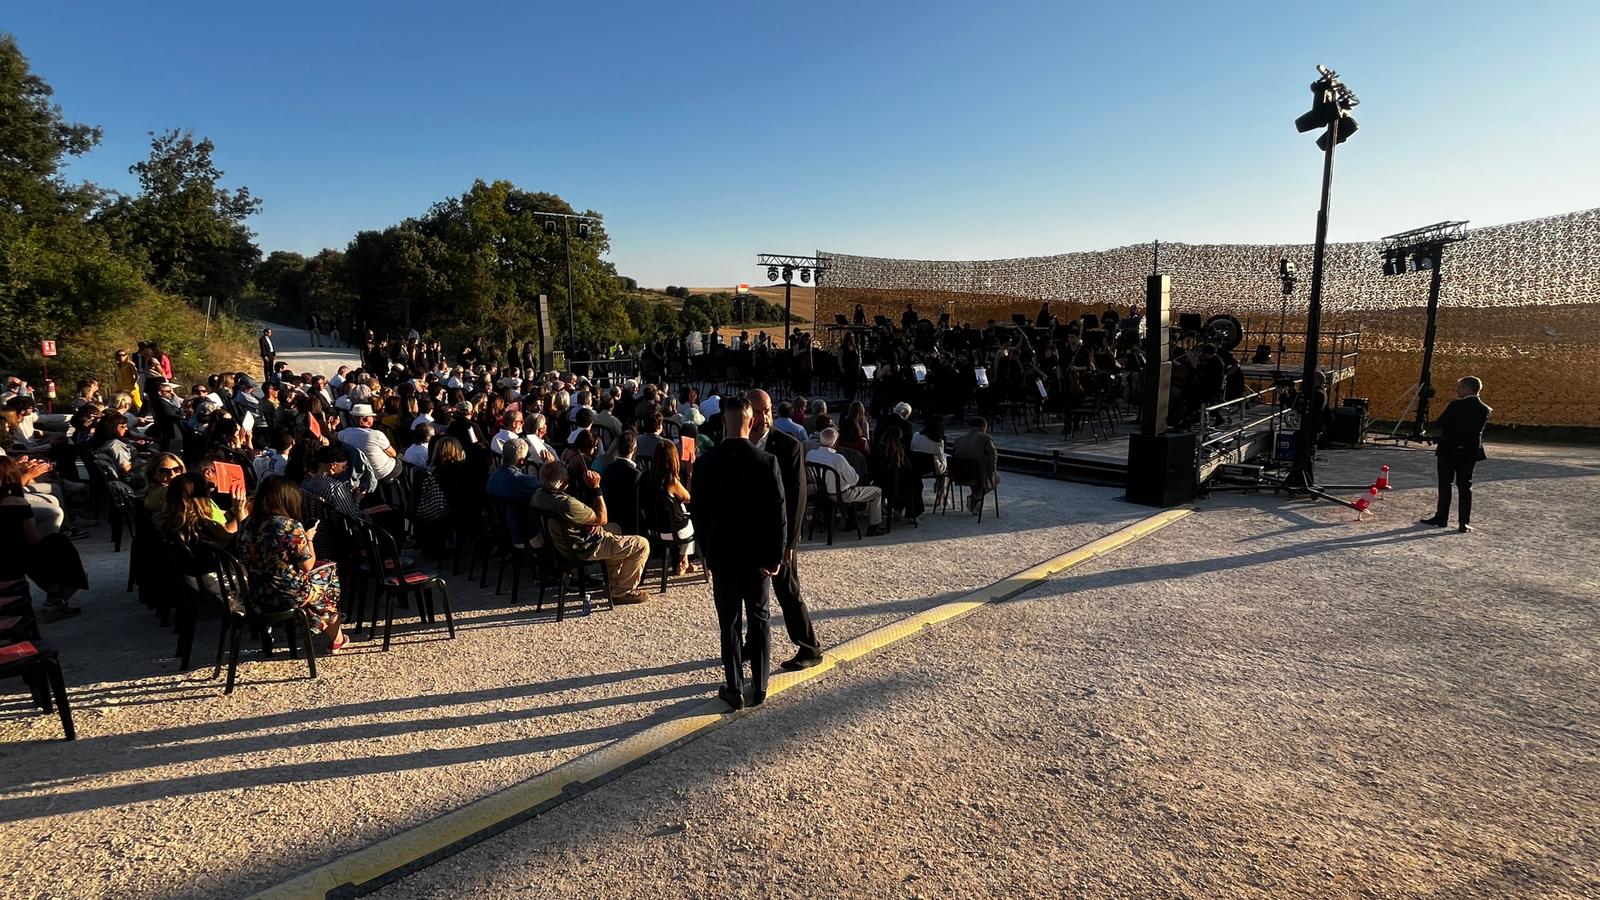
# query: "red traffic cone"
(1383, 479)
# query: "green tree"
(57, 270)
(187, 230)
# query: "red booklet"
(226, 475)
(14, 652)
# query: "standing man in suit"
(269, 353)
(791, 455)
(737, 504)
(1460, 449)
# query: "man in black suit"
(740, 526)
(269, 353)
(786, 586)
(1460, 448)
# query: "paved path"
(294, 347)
(1263, 700)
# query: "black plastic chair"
(828, 500)
(234, 587)
(398, 581)
(569, 570)
(37, 664)
(927, 468)
(17, 618)
(964, 474)
(508, 551)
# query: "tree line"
(74, 254)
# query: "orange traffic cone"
(1383, 479)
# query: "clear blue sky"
(707, 133)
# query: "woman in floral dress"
(283, 563)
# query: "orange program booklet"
(225, 475)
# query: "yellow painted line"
(371, 867)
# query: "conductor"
(1460, 449)
(740, 525)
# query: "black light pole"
(1330, 108)
(1414, 251)
(572, 319)
(784, 266)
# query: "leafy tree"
(56, 269)
(188, 231)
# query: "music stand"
(1019, 320)
(841, 319)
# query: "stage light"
(1426, 259)
(788, 273)
(550, 227)
(772, 273)
(1286, 267)
(1347, 127)
(583, 230)
(805, 276)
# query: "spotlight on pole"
(788, 274)
(805, 276)
(772, 273)
(583, 230)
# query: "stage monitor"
(981, 376)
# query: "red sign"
(48, 348)
(744, 288)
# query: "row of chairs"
(23, 654)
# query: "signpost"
(47, 349)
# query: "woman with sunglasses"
(159, 473)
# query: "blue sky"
(707, 133)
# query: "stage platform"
(1101, 457)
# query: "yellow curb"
(371, 867)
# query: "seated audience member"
(650, 435)
(900, 415)
(539, 450)
(930, 440)
(49, 560)
(664, 503)
(785, 423)
(329, 479)
(516, 487)
(371, 442)
(604, 419)
(619, 483)
(186, 513)
(978, 446)
(819, 408)
(110, 443)
(579, 457)
(512, 428)
(275, 461)
(421, 440)
(159, 473)
(45, 498)
(282, 562)
(853, 436)
(893, 473)
(579, 532)
(851, 489)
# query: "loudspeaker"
(1157, 353)
(1349, 425)
(1161, 468)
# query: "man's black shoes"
(758, 697)
(1464, 529)
(801, 660)
(733, 698)
(1434, 522)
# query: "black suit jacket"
(619, 484)
(266, 346)
(1460, 427)
(737, 504)
(791, 456)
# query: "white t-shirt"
(373, 443)
(417, 455)
(497, 444)
(421, 419)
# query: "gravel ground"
(1266, 699)
(174, 790)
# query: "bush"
(228, 345)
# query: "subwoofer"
(1162, 468)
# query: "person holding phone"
(279, 552)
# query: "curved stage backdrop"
(1520, 305)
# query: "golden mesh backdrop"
(1519, 306)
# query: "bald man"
(786, 585)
